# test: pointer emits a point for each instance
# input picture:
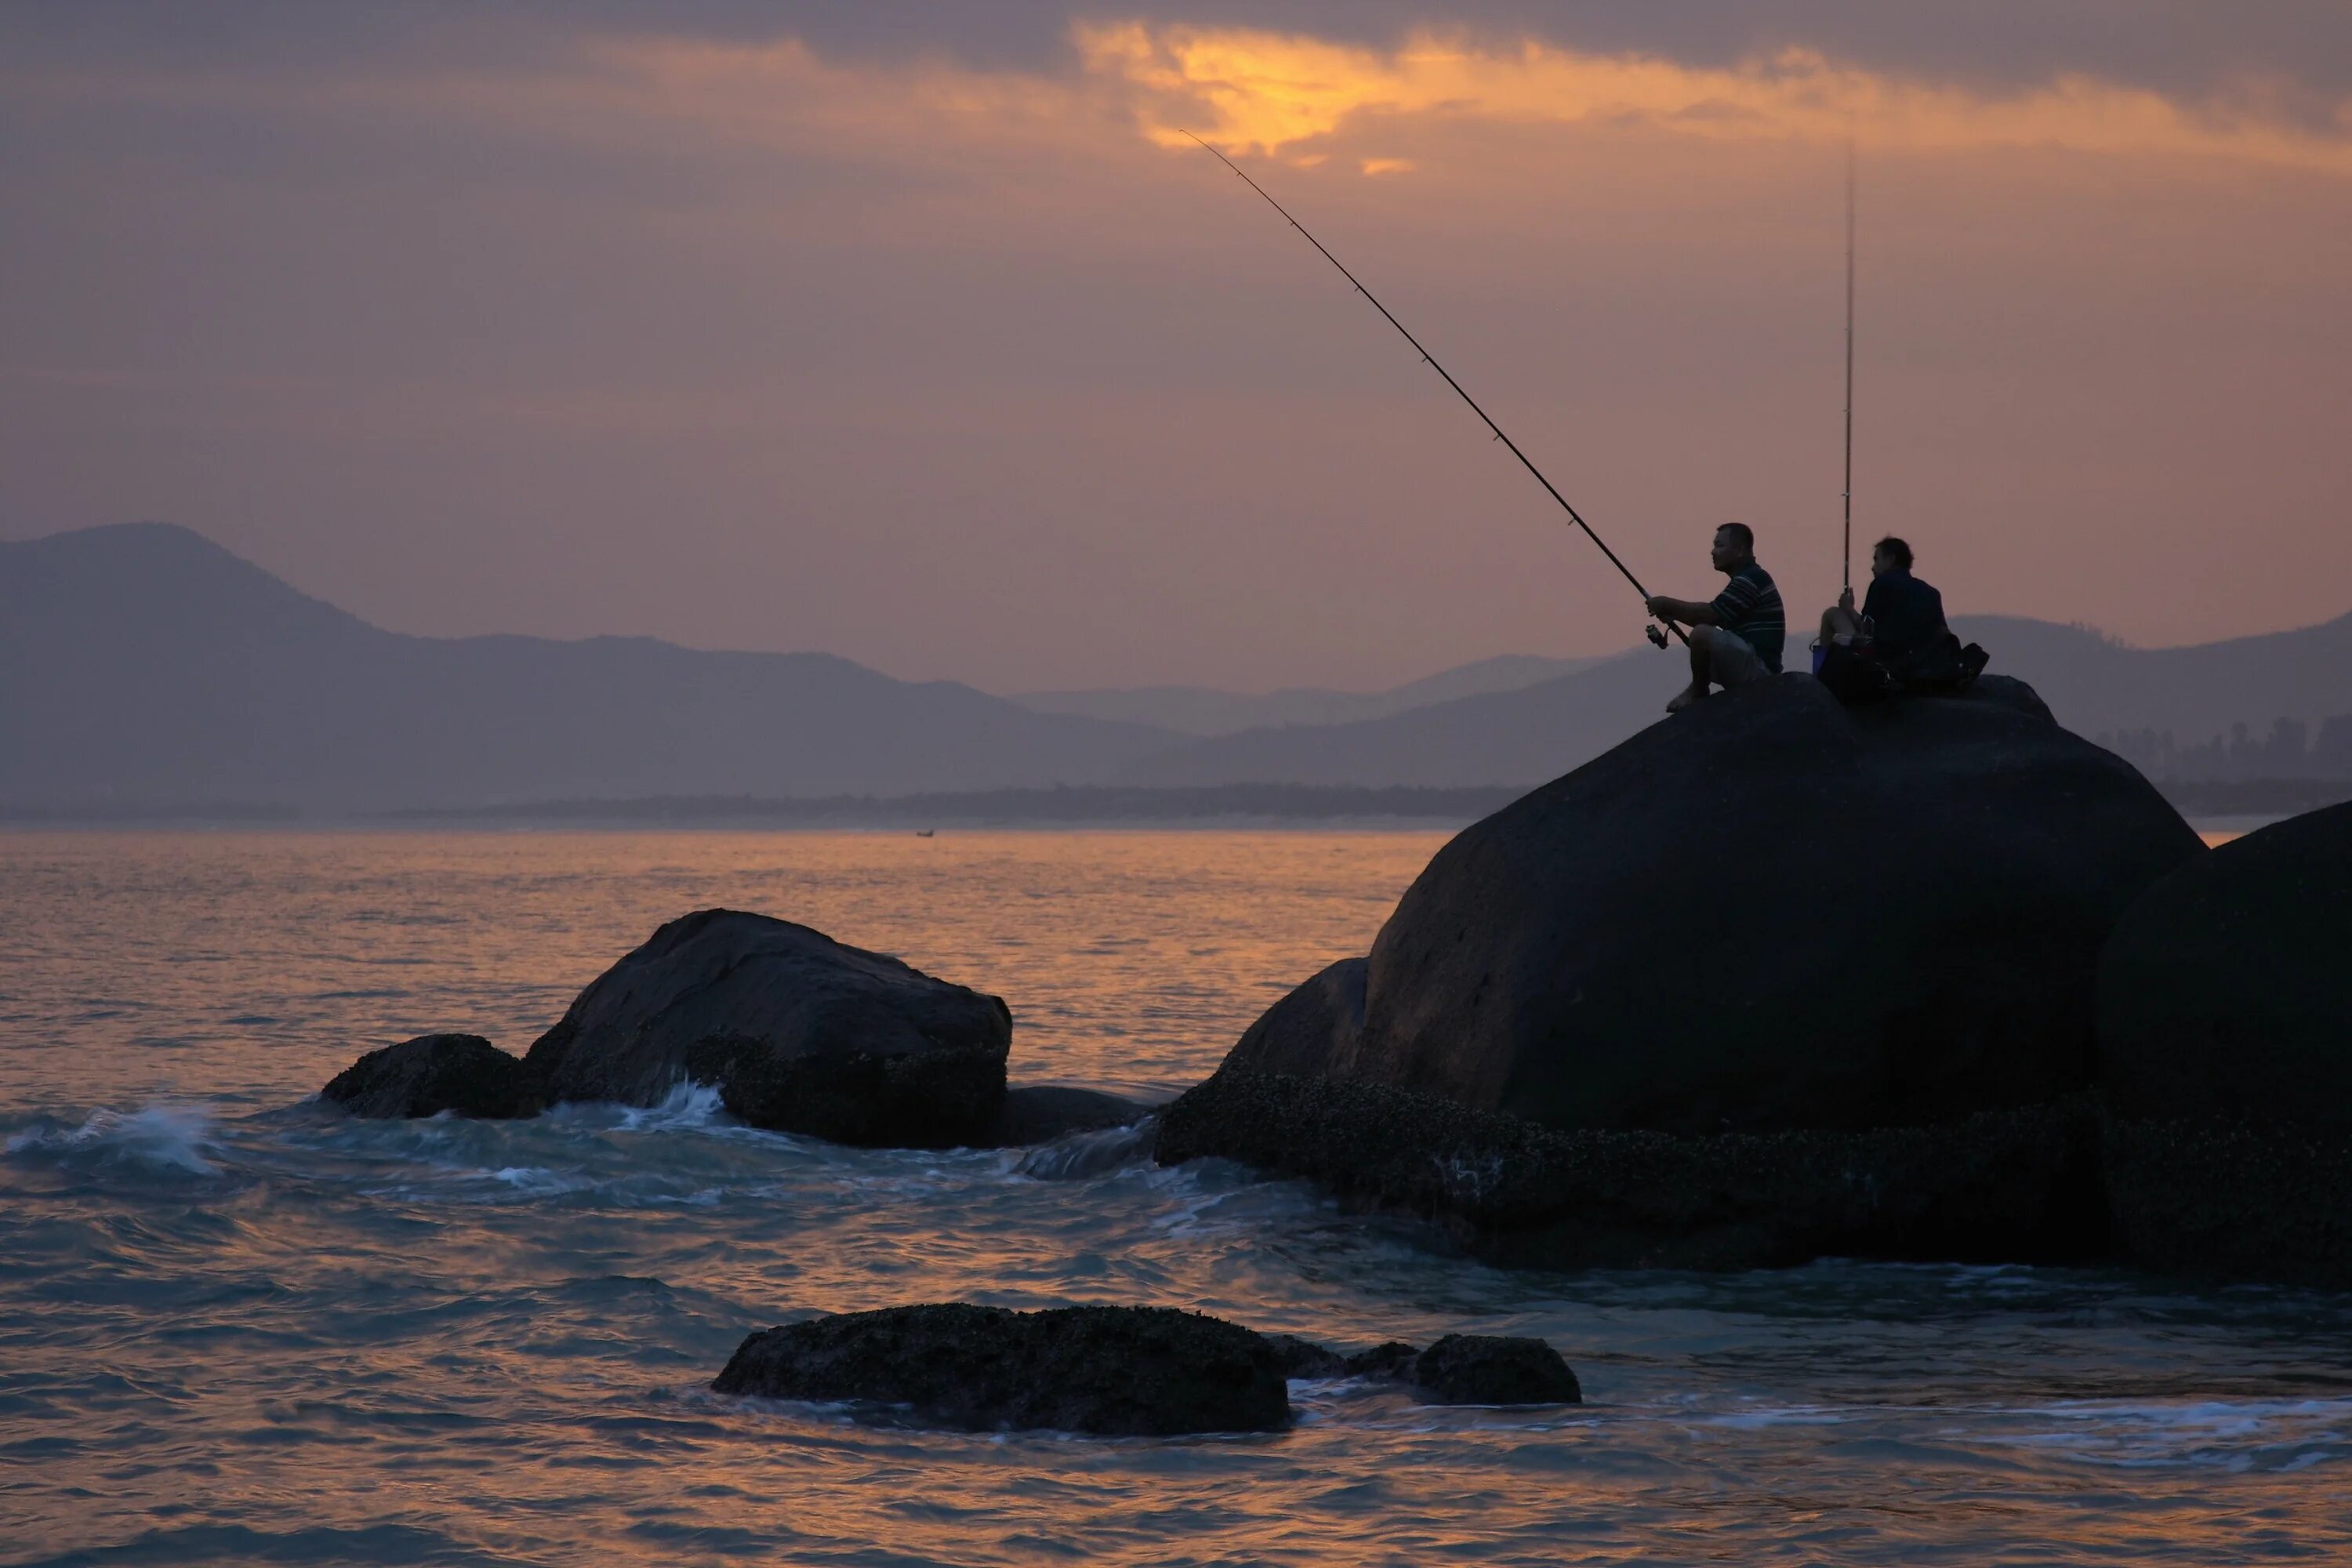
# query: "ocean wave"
(1084, 1154)
(162, 1136)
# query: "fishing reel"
(1657, 635)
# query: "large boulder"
(1774, 911)
(2225, 1047)
(2226, 990)
(1112, 1370)
(799, 1032)
(430, 1074)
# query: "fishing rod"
(1845, 561)
(1656, 635)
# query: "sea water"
(237, 1328)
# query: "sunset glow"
(741, 276)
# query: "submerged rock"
(2018, 1185)
(800, 1034)
(2226, 990)
(1305, 1359)
(1460, 1369)
(431, 1073)
(1494, 1369)
(1109, 1370)
(1774, 911)
(1391, 1361)
(1039, 1113)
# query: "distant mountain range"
(1205, 710)
(144, 669)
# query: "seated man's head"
(1735, 546)
(1889, 554)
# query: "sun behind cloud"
(1257, 92)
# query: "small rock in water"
(1107, 1371)
(431, 1073)
(1394, 1361)
(1494, 1369)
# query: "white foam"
(169, 1137)
(686, 1108)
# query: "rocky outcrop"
(799, 1032)
(1774, 911)
(2001, 1186)
(430, 1074)
(1774, 978)
(2226, 990)
(1110, 1370)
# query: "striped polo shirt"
(1749, 608)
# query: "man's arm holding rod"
(1690, 612)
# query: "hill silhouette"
(144, 669)
(2128, 699)
(142, 664)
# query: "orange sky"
(951, 355)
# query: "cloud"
(1252, 91)
(1264, 92)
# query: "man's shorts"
(1732, 662)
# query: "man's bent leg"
(1732, 660)
(1702, 663)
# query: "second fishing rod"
(1430, 360)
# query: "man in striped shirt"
(1736, 637)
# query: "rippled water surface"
(233, 1327)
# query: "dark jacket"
(1907, 617)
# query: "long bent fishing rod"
(1431, 361)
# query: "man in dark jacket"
(1736, 637)
(1905, 616)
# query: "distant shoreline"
(1234, 805)
(1224, 806)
